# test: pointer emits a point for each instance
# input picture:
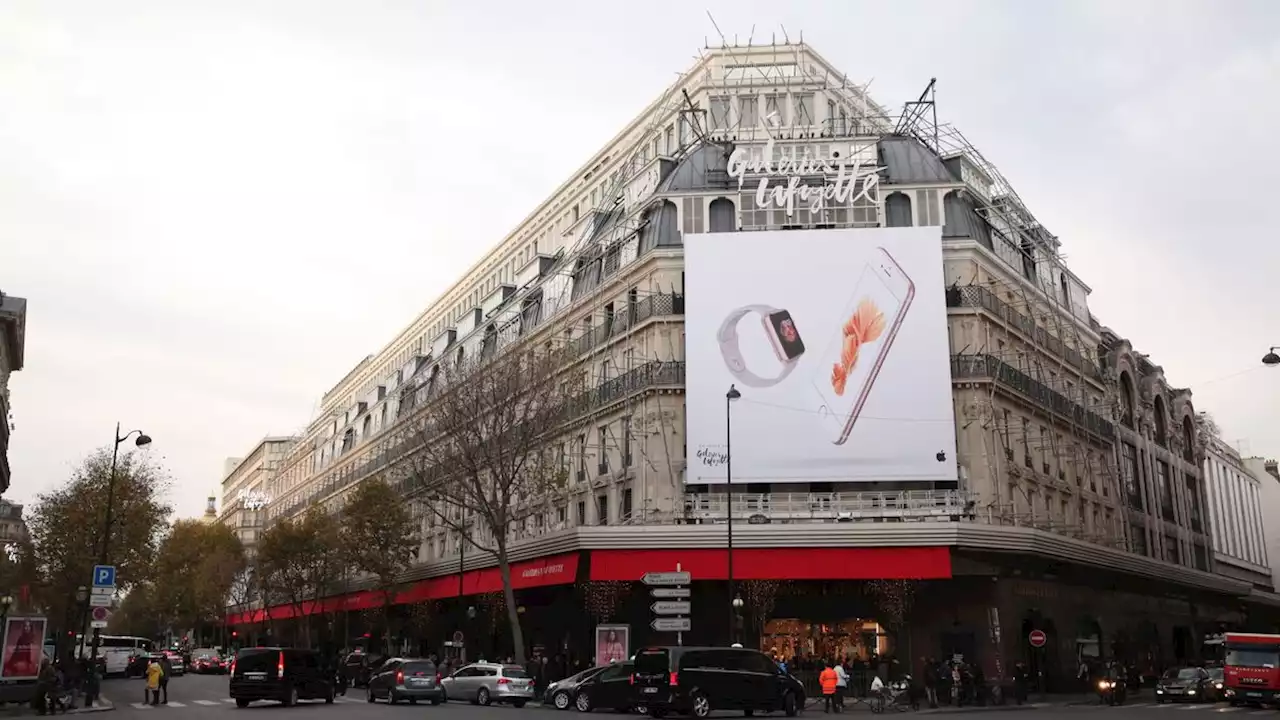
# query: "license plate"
(1254, 694)
(255, 676)
(651, 690)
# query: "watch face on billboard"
(784, 329)
(863, 395)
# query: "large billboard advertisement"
(835, 345)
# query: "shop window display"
(856, 639)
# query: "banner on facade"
(835, 345)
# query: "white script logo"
(853, 181)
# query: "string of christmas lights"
(761, 596)
(602, 597)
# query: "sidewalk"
(15, 710)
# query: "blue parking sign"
(104, 575)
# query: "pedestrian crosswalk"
(225, 701)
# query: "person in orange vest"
(828, 679)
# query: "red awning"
(542, 572)
(920, 563)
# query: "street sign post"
(672, 607)
(100, 601)
(671, 624)
(666, 578)
(1037, 638)
(104, 576)
(109, 590)
(100, 616)
(671, 585)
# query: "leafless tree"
(480, 452)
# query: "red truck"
(1251, 670)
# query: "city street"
(206, 695)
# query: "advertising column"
(837, 342)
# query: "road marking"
(141, 706)
(206, 702)
(1227, 709)
(176, 704)
(228, 700)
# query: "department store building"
(1079, 505)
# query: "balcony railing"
(979, 367)
(660, 305)
(980, 297)
(785, 507)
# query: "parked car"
(699, 680)
(286, 675)
(207, 661)
(1188, 683)
(561, 693)
(487, 683)
(406, 679)
(609, 689)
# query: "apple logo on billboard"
(941, 456)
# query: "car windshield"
(1215, 673)
(1188, 674)
(652, 661)
(256, 660)
(419, 668)
(514, 672)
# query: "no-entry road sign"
(1037, 638)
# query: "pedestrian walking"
(154, 673)
(166, 666)
(842, 684)
(828, 680)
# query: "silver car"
(487, 683)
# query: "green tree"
(298, 560)
(66, 529)
(194, 571)
(479, 453)
(379, 537)
(138, 614)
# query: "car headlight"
(1103, 684)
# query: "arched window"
(367, 429)
(1162, 427)
(348, 439)
(723, 215)
(1126, 400)
(897, 210)
(1188, 439)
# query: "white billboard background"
(834, 416)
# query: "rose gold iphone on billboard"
(868, 326)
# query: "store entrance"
(852, 639)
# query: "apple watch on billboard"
(783, 336)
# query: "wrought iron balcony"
(797, 507)
(975, 296)
(987, 367)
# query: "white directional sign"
(671, 607)
(666, 578)
(671, 624)
(670, 592)
(100, 601)
(104, 591)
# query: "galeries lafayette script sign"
(782, 181)
(543, 570)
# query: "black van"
(283, 674)
(698, 680)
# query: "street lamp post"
(103, 556)
(1271, 359)
(6, 602)
(729, 397)
(82, 598)
(737, 621)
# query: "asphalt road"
(206, 696)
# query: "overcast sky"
(217, 208)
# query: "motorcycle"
(1112, 692)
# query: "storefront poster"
(613, 644)
(23, 647)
